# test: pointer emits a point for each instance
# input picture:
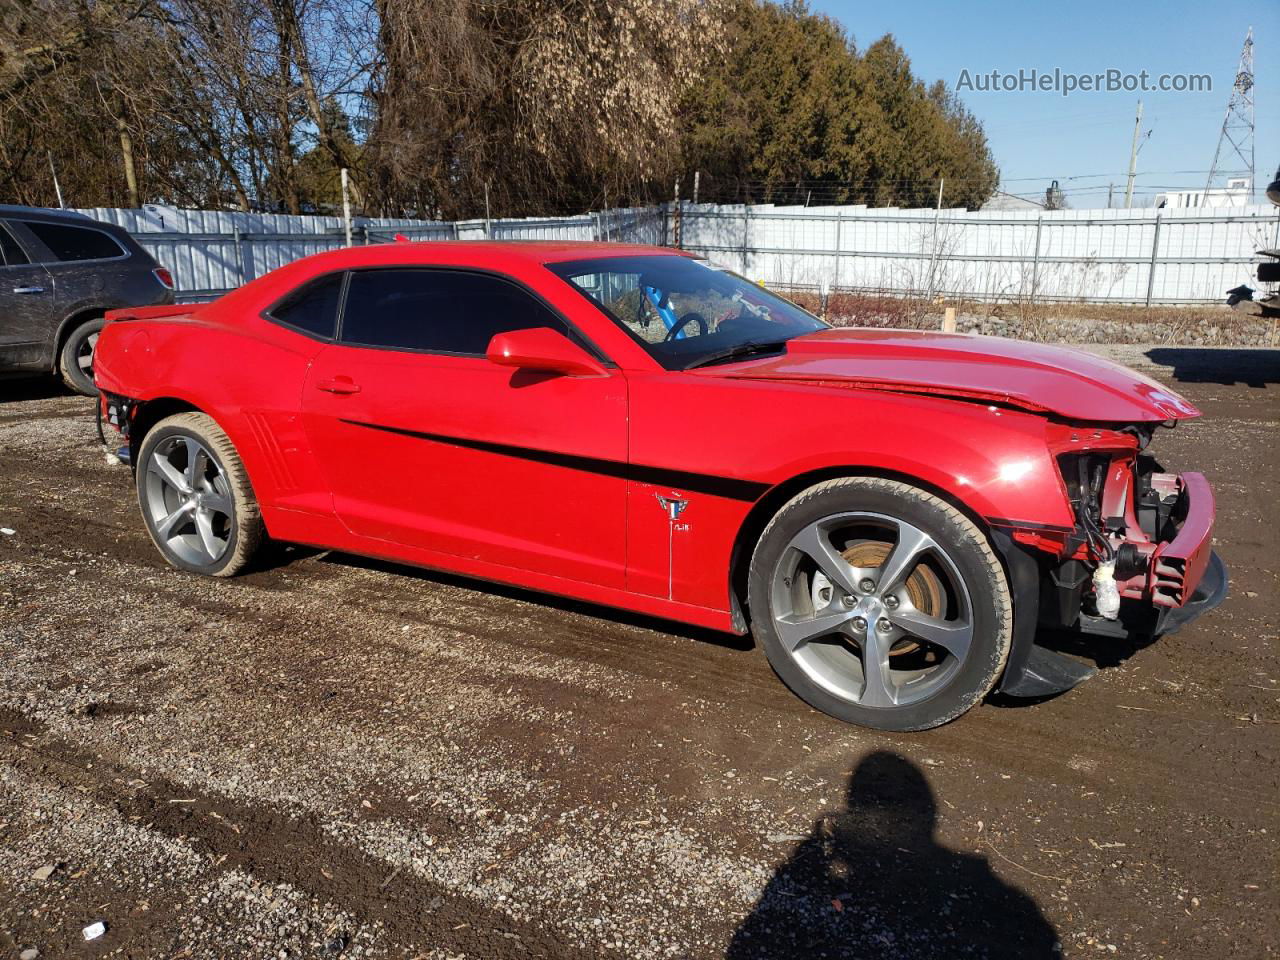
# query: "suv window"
(75, 243)
(439, 311)
(313, 307)
(10, 253)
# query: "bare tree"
(547, 103)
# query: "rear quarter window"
(10, 253)
(68, 243)
(312, 308)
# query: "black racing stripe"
(727, 487)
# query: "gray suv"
(59, 271)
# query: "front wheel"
(196, 498)
(880, 604)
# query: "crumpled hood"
(1069, 383)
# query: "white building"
(1008, 201)
(1234, 194)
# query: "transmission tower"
(1237, 125)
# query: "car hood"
(1069, 383)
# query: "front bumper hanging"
(1208, 593)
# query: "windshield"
(685, 312)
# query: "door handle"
(28, 289)
(343, 385)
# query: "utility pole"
(488, 223)
(1133, 159)
(697, 175)
(1111, 188)
(1237, 125)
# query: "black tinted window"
(314, 307)
(10, 252)
(74, 243)
(441, 311)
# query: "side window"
(313, 307)
(10, 253)
(439, 311)
(75, 243)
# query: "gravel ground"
(339, 757)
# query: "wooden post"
(949, 320)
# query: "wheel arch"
(69, 323)
(764, 509)
(151, 412)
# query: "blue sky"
(1086, 136)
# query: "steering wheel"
(684, 321)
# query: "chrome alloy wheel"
(889, 632)
(188, 500)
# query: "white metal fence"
(1123, 256)
(212, 251)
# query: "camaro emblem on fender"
(672, 505)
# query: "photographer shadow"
(899, 893)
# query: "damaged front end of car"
(1138, 563)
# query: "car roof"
(545, 251)
(44, 213)
(538, 251)
(469, 253)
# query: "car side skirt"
(309, 529)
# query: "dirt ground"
(337, 757)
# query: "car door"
(83, 261)
(28, 307)
(427, 443)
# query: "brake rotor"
(924, 588)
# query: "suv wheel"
(75, 362)
(880, 604)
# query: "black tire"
(959, 549)
(235, 525)
(72, 357)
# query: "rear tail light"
(164, 276)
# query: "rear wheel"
(196, 498)
(880, 604)
(75, 361)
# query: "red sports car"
(891, 513)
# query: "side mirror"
(539, 348)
